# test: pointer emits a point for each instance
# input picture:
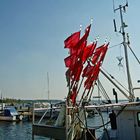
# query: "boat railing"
(43, 116)
(136, 88)
(46, 110)
(45, 129)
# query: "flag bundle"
(84, 62)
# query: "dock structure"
(26, 113)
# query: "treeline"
(9, 100)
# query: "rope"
(85, 125)
(98, 127)
(104, 92)
(115, 80)
(103, 124)
(115, 45)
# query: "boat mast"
(48, 86)
(125, 44)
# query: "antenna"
(113, 6)
(122, 9)
(115, 28)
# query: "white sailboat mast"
(48, 86)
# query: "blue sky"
(32, 33)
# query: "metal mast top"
(125, 44)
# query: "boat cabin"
(10, 111)
(127, 125)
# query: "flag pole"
(90, 88)
(91, 93)
(80, 85)
(82, 97)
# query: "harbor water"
(17, 131)
(23, 130)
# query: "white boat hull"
(8, 118)
(11, 118)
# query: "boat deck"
(58, 133)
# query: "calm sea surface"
(23, 130)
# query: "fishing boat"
(84, 64)
(10, 114)
(124, 119)
(125, 116)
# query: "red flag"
(97, 61)
(72, 40)
(70, 60)
(80, 50)
(88, 51)
(85, 36)
(76, 71)
(92, 49)
(88, 70)
(93, 76)
(77, 75)
(104, 52)
(97, 54)
(87, 30)
(96, 71)
(81, 41)
(88, 83)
